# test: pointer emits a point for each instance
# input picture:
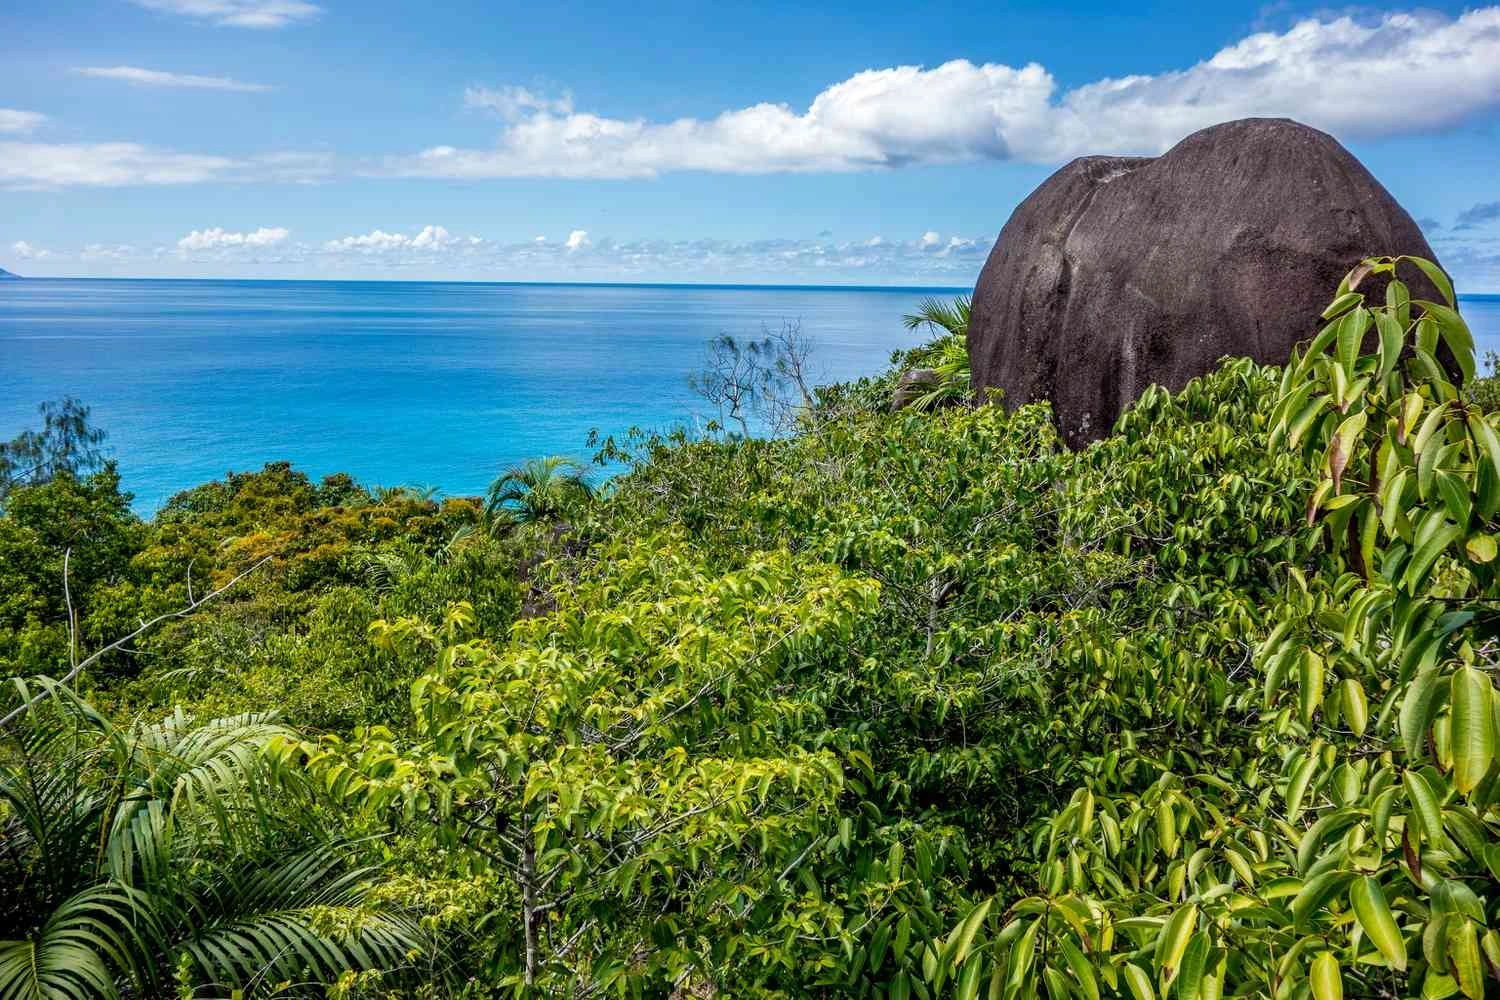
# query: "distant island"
(6, 274)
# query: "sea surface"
(399, 383)
(423, 384)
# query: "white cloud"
(25, 251)
(12, 120)
(220, 239)
(105, 251)
(512, 103)
(1429, 71)
(43, 166)
(104, 164)
(239, 13)
(378, 241)
(139, 77)
(435, 251)
(931, 238)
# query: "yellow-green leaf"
(1463, 954)
(1174, 939)
(1377, 921)
(1356, 709)
(1436, 276)
(1473, 727)
(1311, 685)
(1139, 982)
(1480, 548)
(963, 935)
(1325, 978)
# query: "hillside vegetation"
(909, 704)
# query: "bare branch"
(78, 668)
(72, 616)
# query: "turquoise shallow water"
(419, 383)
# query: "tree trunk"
(528, 902)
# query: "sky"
(851, 143)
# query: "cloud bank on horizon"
(433, 249)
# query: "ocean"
(422, 384)
(427, 384)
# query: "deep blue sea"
(406, 383)
(397, 383)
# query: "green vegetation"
(894, 705)
(66, 445)
(540, 491)
(947, 357)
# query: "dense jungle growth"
(908, 704)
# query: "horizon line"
(749, 285)
(807, 286)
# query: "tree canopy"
(909, 704)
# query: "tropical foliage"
(172, 850)
(539, 491)
(908, 704)
(947, 357)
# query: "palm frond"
(538, 490)
(304, 916)
(127, 847)
(950, 382)
(388, 567)
(88, 941)
(949, 317)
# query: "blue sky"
(861, 142)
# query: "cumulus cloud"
(1478, 215)
(379, 241)
(139, 77)
(925, 257)
(12, 120)
(25, 251)
(433, 250)
(1322, 72)
(219, 239)
(238, 13)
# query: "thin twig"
(72, 618)
(78, 668)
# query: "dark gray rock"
(911, 385)
(1120, 272)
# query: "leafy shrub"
(1320, 817)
